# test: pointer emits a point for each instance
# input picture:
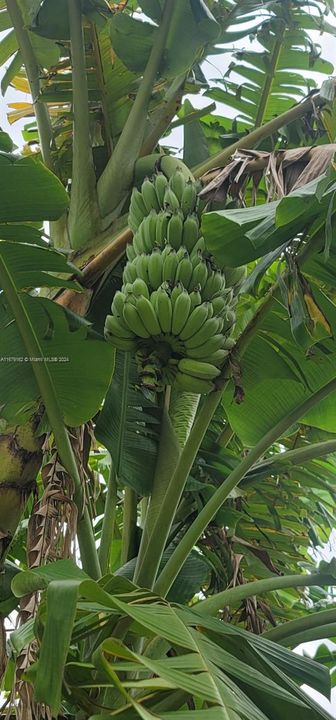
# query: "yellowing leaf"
(20, 83)
(315, 314)
(20, 110)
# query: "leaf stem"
(113, 186)
(260, 133)
(180, 554)
(163, 117)
(234, 596)
(270, 74)
(45, 384)
(33, 75)
(286, 631)
(128, 549)
(108, 521)
(84, 220)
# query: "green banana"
(235, 276)
(199, 275)
(195, 297)
(189, 198)
(141, 264)
(170, 164)
(177, 183)
(164, 310)
(149, 196)
(133, 321)
(161, 184)
(210, 309)
(190, 232)
(138, 240)
(184, 272)
(217, 357)
(140, 288)
(214, 285)
(181, 312)
(181, 253)
(175, 230)
(195, 321)
(219, 305)
(118, 303)
(170, 265)
(203, 351)
(192, 384)
(153, 298)
(170, 201)
(199, 247)
(137, 210)
(148, 316)
(155, 266)
(229, 320)
(162, 220)
(114, 327)
(208, 330)
(198, 368)
(176, 292)
(130, 252)
(148, 230)
(229, 343)
(130, 273)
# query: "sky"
(215, 67)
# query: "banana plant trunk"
(21, 457)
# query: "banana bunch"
(175, 309)
(178, 194)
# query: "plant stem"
(260, 133)
(179, 556)
(167, 459)
(299, 455)
(112, 185)
(48, 392)
(84, 220)
(286, 630)
(318, 633)
(128, 549)
(33, 76)
(234, 596)
(149, 564)
(269, 76)
(163, 117)
(108, 521)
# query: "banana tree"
(167, 361)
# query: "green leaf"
(192, 576)
(269, 374)
(132, 40)
(8, 46)
(236, 237)
(195, 146)
(69, 353)
(61, 610)
(8, 602)
(6, 144)
(42, 195)
(129, 429)
(12, 70)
